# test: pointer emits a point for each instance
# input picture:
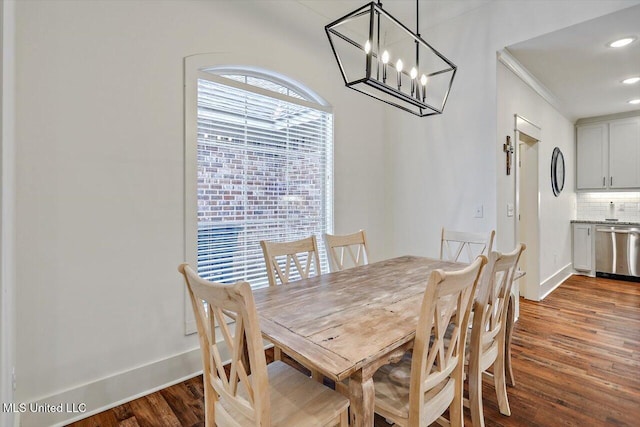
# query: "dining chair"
(418, 389)
(250, 392)
(487, 344)
(348, 250)
(288, 261)
(464, 246)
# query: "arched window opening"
(264, 170)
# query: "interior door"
(527, 224)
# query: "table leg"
(362, 396)
(507, 345)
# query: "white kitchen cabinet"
(608, 155)
(584, 248)
(592, 149)
(624, 153)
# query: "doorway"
(527, 205)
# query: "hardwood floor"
(576, 361)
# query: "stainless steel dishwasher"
(618, 250)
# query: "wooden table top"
(341, 322)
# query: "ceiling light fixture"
(380, 57)
(635, 101)
(622, 42)
(631, 80)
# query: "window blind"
(264, 173)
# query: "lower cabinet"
(583, 248)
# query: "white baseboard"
(115, 390)
(555, 280)
(120, 388)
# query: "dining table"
(349, 323)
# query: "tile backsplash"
(597, 206)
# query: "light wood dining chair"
(251, 394)
(487, 344)
(344, 251)
(418, 389)
(464, 246)
(288, 261)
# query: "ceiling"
(580, 70)
(574, 63)
(432, 12)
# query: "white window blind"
(264, 173)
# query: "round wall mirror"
(557, 171)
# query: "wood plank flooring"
(576, 361)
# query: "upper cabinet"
(608, 155)
(592, 150)
(624, 153)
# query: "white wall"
(99, 168)
(443, 167)
(7, 207)
(100, 174)
(554, 250)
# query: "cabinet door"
(624, 153)
(592, 156)
(582, 247)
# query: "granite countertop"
(596, 221)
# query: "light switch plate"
(510, 209)
(479, 211)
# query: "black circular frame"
(557, 171)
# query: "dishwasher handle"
(612, 230)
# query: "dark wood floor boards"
(576, 360)
(567, 346)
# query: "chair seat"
(392, 384)
(296, 400)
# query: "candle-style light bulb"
(399, 66)
(423, 81)
(385, 57)
(367, 47)
(385, 61)
(413, 73)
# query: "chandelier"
(382, 58)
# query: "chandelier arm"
(417, 34)
(370, 40)
(378, 40)
(418, 18)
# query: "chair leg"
(456, 414)
(499, 379)
(509, 332)
(475, 396)
(209, 403)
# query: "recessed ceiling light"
(622, 42)
(631, 80)
(634, 101)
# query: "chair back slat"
(464, 246)
(243, 342)
(345, 251)
(440, 339)
(287, 261)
